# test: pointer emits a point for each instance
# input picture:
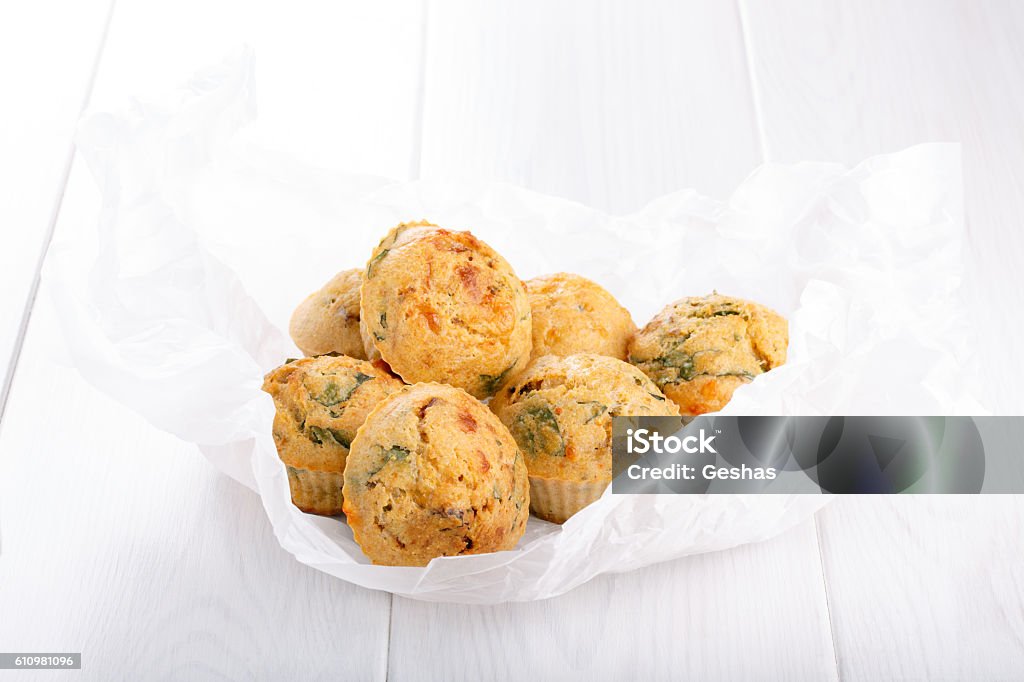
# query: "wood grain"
(121, 542)
(49, 51)
(608, 103)
(613, 107)
(929, 587)
(753, 613)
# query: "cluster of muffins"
(443, 399)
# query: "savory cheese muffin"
(560, 412)
(573, 315)
(321, 403)
(433, 473)
(328, 320)
(701, 349)
(439, 305)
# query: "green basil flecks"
(360, 380)
(595, 410)
(374, 262)
(719, 375)
(492, 382)
(536, 431)
(678, 360)
(330, 395)
(322, 436)
(395, 453)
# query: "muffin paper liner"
(556, 501)
(316, 492)
(205, 244)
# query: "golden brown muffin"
(701, 349)
(573, 315)
(560, 412)
(443, 306)
(321, 403)
(433, 473)
(328, 320)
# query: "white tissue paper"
(206, 244)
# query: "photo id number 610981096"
(40, 661)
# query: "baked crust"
(572, 314)
(327, 321)
(433, 472)
(320, 404)
(560, 412)
(699, 350)
(439, 305)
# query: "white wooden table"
(610, 103)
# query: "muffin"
(328, 320)
(321, 403)
(573, 315)
(433, 473)
(560, 412)
(699, 350)
(443, 306)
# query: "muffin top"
(321, 402)
(560, 412)
(443, 306)
(699, 350)
(432, 472)
(573, 315)
(327, 321)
